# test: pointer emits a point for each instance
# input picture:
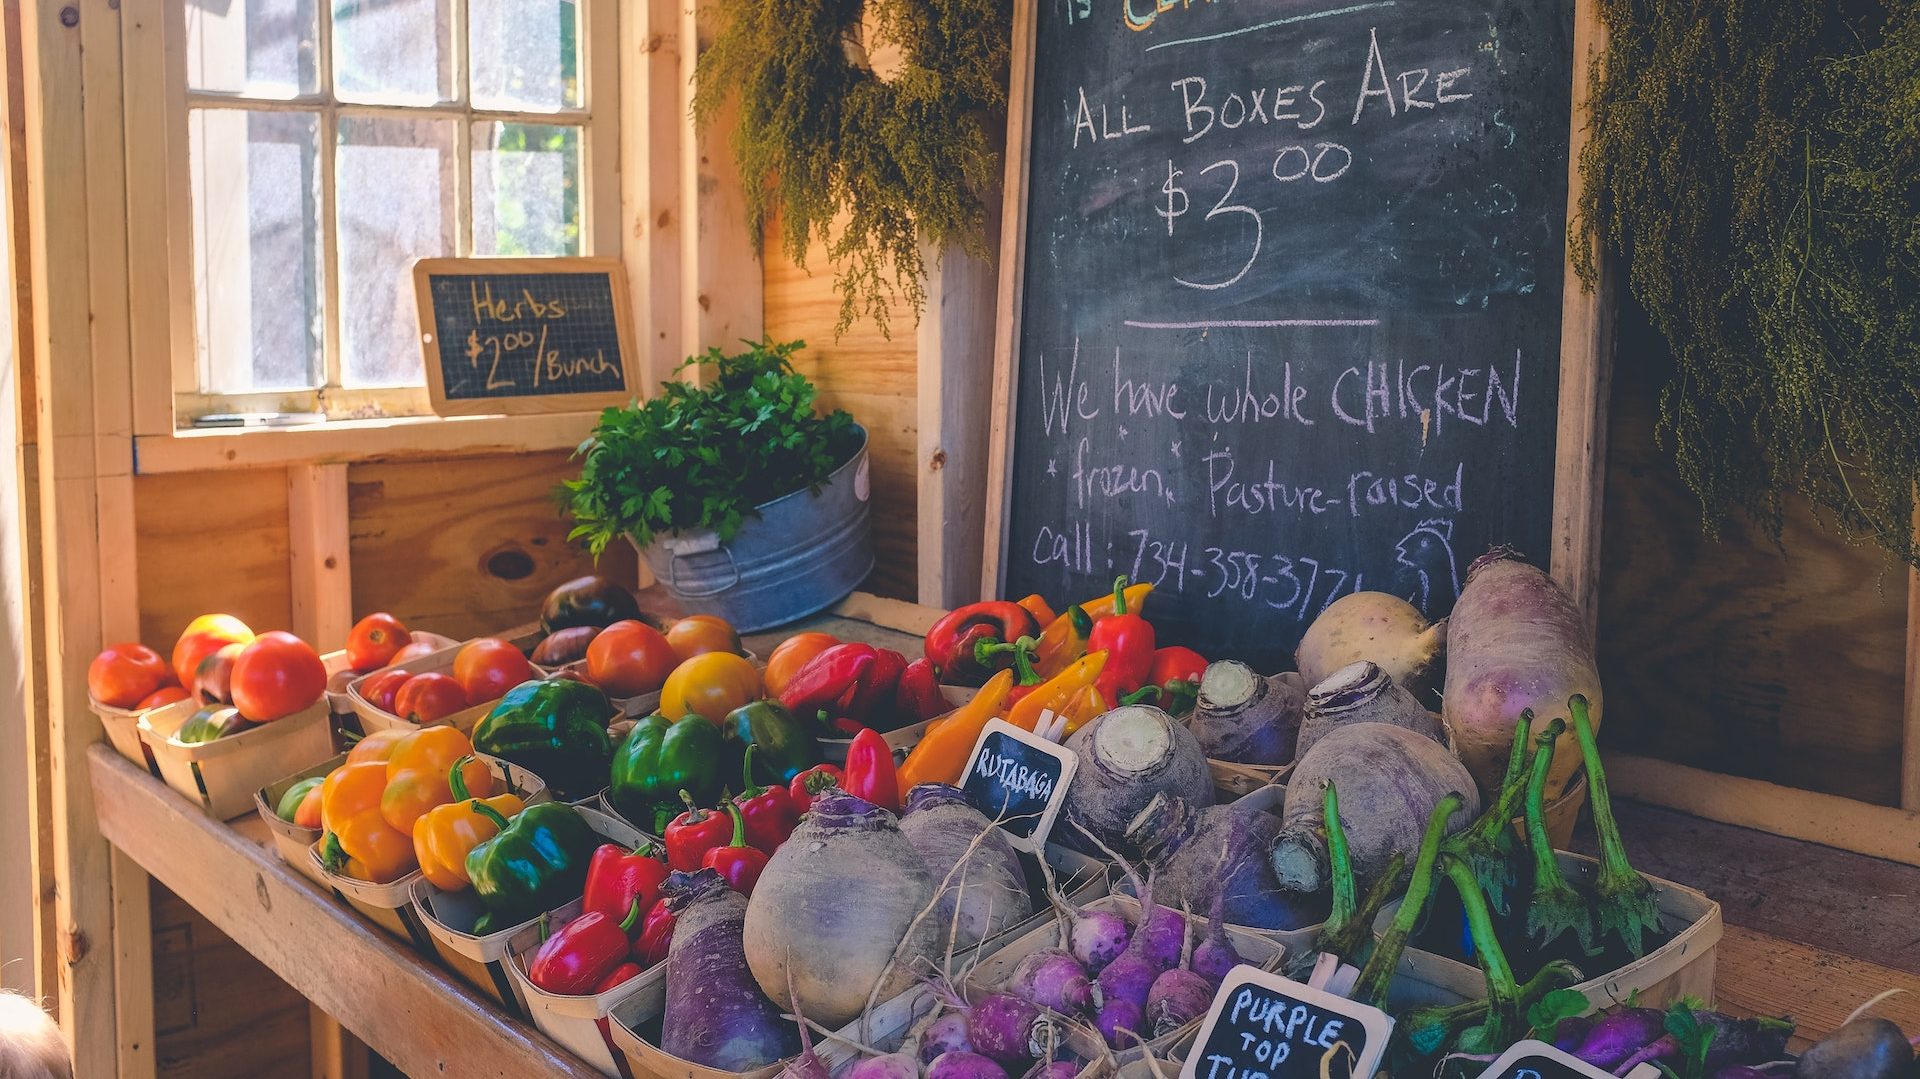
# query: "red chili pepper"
(693, 833)
(1176, 672)
(812, 782)
(874, 691)
(871, 773)
(768, 811)
(1127, 639)
(738, 863)
(617, 878)
(830, 680)
(621, 974)
(918, 696)
(656, 934)
(572, 961)
(954, 643)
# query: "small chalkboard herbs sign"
(525, 335)
(1019, 779)
(1538, 1060)
(1263, 1026)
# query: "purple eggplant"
(1614, 1038)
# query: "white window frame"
(597, 115)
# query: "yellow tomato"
(711, 685)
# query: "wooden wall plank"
(464, 547)
(320, 573)
(212, 541)
(719, 304)
(220, 1014)
(955, 345)
(653, 112)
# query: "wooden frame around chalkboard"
(607, 266)
(1586, 336)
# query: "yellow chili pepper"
(942, 753)
(1053, 694)
(443, 837)
(1065, 638)
(1085, 706)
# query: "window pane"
(263, 47)
(396, 204)
(256, 239)
(525, 53)
(393, 50)
(526, 189)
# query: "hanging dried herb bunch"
(870, 166)
(1757, 164)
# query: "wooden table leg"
(337, 1054)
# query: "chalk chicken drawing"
(1425, 556)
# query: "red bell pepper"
(812, 782)
(1127, 639)
(956, 644)
(619, 975)
(1176, 673)
(617, 878)
(768, 811)
(918, 697)
(656, 934)
(830, 680)
(871, 773)
(873, 695)
(693, 833)
(738, 863)
(572, 961)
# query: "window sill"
(349, 441)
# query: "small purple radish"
(964, 1065)
(1163, 937)
(1052, 979)
(1743, 1041)
(1215, 955)
(1055, 1069)
(947, 1034)
(1120, 1022)
(1613, 1038)
(1010, 1030)
(1177, 998)
(891, 1066)
(1664, 1048)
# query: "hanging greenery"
(1757, 165)
(870, 166)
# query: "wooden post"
(1910, 714)
(76, 185)
(317, 560)
(720, 287)
(955, 390)
(652, 119)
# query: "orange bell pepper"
(943, 750)
(443, 837)
(377, 746)
(359, 842)
(1053, 694)
(417, 775)
(1065, 638)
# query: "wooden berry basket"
(222, 776)
(374, 718)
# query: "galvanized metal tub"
(803, 553)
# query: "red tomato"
(429, 697)
(160, 698)
(204, 636)
(629, 658)
(380, 687)
(410, 652)
(276, 676)
(698, 634)
(488, 667)
(374, 641)
(123, 674)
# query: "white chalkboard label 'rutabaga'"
(1288, 313)
(1264, 1026)
(1018, 779)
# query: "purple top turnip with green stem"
(1495, 1032)
(1488, 845)
(1349, 927)
(1371, 988)
(1627, 908)
(1432, 1029)
(1556, 907)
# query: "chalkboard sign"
(1018, 779)
(1538, 1060)
(1274, 1028)
(1285, 315)
(525, 335)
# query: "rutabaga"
(1363, 692)
(1198, 856)
(1244, 718)
(1126, 757)
(985, 890)
(1373, 626)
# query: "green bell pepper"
(659, 759)
(535, 863)
(786, 746)
(557, 730)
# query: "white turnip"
(1376, 627)
(990, 888)
(1244, 718)
(1390, 780)
(1363, 692)
(1126, 757)
(1515, 642)
(839, 908)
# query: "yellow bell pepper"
(443, 837)
(417, 775)
(1065, 638)
(377, 746)
(943, 750)
(1053, 694)
(359, 842)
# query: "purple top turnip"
(986, 895)
(961, 1065)
(1244, 718)
(1126, 757)
(1052, 979)
(716, 1016)
(1362, 693)
(1196, 855)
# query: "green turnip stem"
(1372, 986)
(1546, 868)
(1348, 939)
(1338, 856)
(1430, 1029)
(1484, 842)
(1502, 993)
(1627, 905)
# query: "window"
(332, 142)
